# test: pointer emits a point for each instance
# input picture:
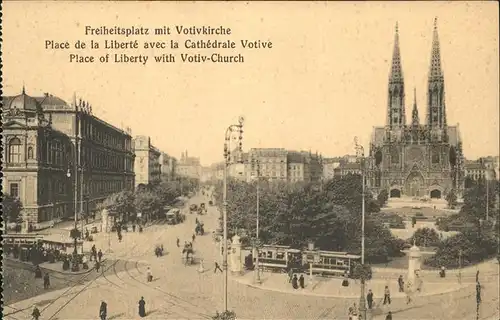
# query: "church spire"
(396, 70)
(396, 116)
(415, 120)
(436, 113)
(435, 72)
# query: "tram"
(330, 263)
(276, 258)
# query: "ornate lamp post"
(257, 239)
(234, 128)
(360, 154)
(74, 232)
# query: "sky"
(323, 82)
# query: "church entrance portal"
(415, 185)
(436, 194)
(395, 193)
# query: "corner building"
(60, 158)
(416, 160)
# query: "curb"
(52, 270)
(307, 292)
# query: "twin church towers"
(410, 158)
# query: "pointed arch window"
(15, 150)
(394, 155)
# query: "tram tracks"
(174, 302)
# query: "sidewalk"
(55, 267)
(332, 287)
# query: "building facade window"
(14, 190)
(30, 152)
(15, 151)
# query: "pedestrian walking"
(99, 255)
(290, 275)
(408, 292)
(217, 267)
(38, 272)
(401, 284)
(36, 313)
(178, 242)
(301, 281)
(133, 227)
(193, 237)
(419, 282)
(97, 266)
(201, 269)
(46, 281)
(149, 275)
(142, 308)
(389, 316)
(93, 253)
(387, 295)
(103, 310)
(369, 298)
(119, 236)
(478, 293)
(295, 284)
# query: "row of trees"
(149, 200)
(328, 214)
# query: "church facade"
(414, 159)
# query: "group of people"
(103, 309)
(296, 281)
(46, 277)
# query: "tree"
(167, 192)
(121, 204)
(295, 213)
(451, 198)
(147, 202)
(426, 237)
(12, 208)
(383, 197)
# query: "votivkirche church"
(414, 159)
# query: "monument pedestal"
(414, 265)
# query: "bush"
(382, 197)
(226, 315)
(425, 237)
(473, 246)
(362, 272)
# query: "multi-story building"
(416, 160)
(147, 161)
(168, 164)
(304, 166)
(60, 158)
(330, 167)
(271, 163)
(188, 167)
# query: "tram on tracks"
(276, 258)
(279, 258)
(330, 263)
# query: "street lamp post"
(73, 234)
(360, 154)
(257, 240)
(235, 128)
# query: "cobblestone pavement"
(182, 292)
